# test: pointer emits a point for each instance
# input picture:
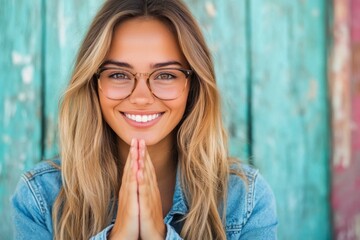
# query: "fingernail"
(133, 142)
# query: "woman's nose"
(141, 94)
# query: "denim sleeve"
(171, 234)
(28, 216)
(262, 219)
(103, 234)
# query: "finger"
(127, 220)
(134, 162)
(128, 190)
(148, 166)
(142, 174)
(141, 153)
(131, 162)
(148, 176)
(130, 186)
(129, 173)
(127, 164)
(141, 166)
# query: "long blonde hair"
(89, 152)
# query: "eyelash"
(114, 75)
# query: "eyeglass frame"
(186, 72)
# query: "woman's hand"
(127, 219)
(139, 214)
(151, 216)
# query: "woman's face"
(142, 46)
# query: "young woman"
(143, 149)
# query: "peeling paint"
(315, 12)
(341, 50)
(345, 171)
(22, 157)
(210, 9)
(30, 96)
(61, 24)
(22, 97)
(27, 96)
(338, 101)
(9, 111)
(340, 90)
(342, 156)
(6, 139)
(313, 90)
(20, 59)
(27, 74)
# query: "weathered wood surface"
(38, 44)
(289, 111)
(270, 58)
(65, 25)
(20, 96)
(345, 79)
(225, 30)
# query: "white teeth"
(142, 118)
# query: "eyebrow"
(127, 65)
(113, 62)
(165, 64)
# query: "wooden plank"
(346, 180)
(20, 97)
(289, 111)
(224, 26)
(66, 23)
(340, 98)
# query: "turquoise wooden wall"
(270, 56)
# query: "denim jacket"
(250, 212)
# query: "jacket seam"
(30, 175)
(36, 194)
(250, 194)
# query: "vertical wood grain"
(20, 97)
(289, 111)
(66, 22)
(345, 79)
(270, 59)
(355, 84)
(224, 26)
(339, 79)
(355, 103)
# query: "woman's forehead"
(144, 41)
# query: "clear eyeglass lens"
(165, 84)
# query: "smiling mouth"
(142, 118)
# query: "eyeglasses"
(164, 83)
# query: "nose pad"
(141, 93)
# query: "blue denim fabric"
(250, 213)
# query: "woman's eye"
(119, 76)
(164, 76)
